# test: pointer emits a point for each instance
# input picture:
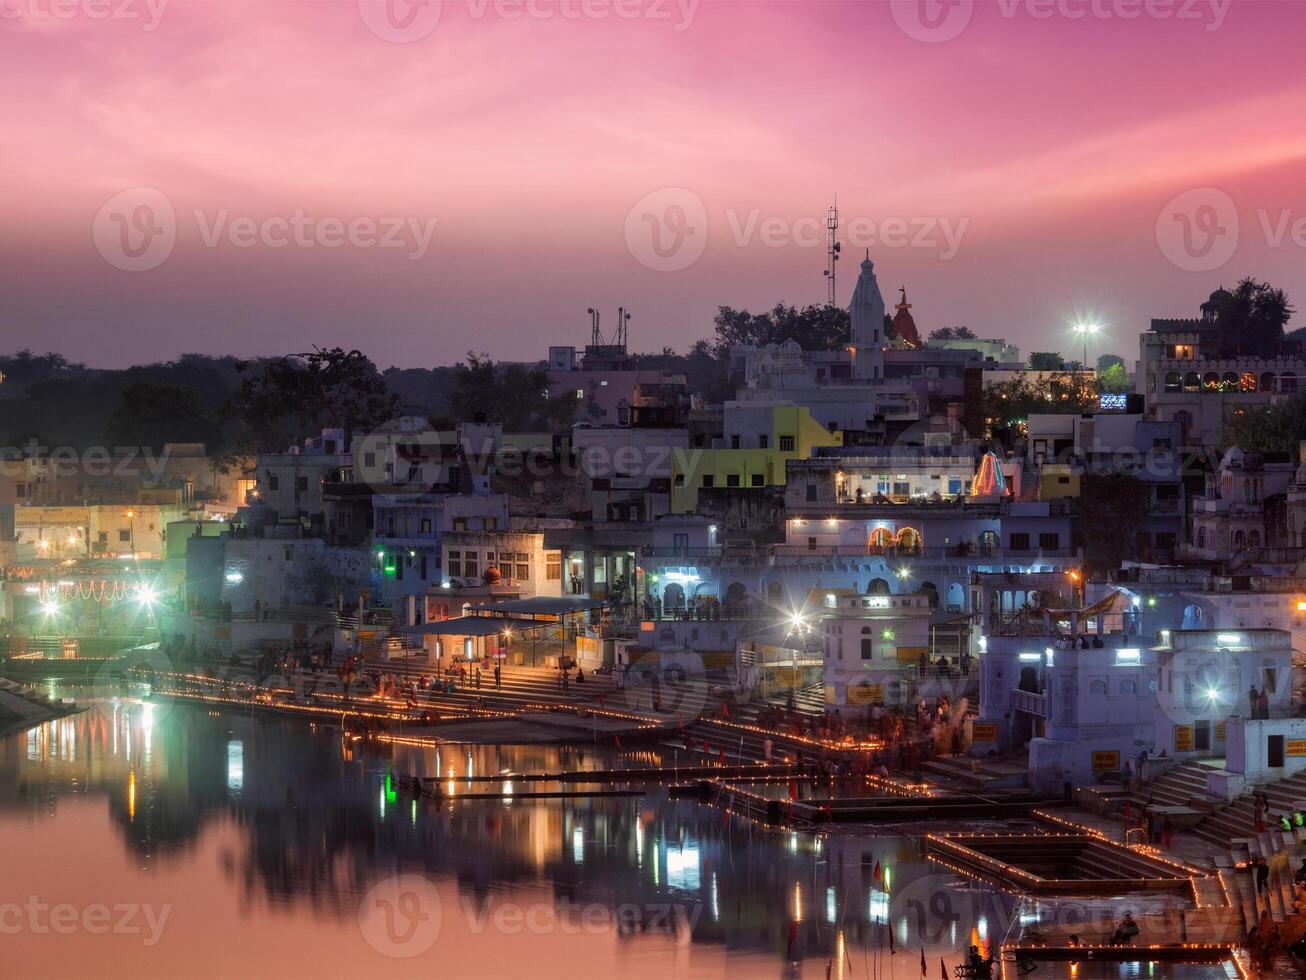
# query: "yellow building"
(1057, 480)
(790, 433)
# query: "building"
(871, 645)
(1190, 375)
(1232, 520)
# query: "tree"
(1012, 402)
(1104, 362)
(155, 414)
(1040, 360)
(301, 394)
(515, 395)
(1113, 379)
(1276, 428)
(812, 327)
(1252, 318)
(952, 333)
(1112, 508)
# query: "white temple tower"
(867, 312)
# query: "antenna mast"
(833, 248)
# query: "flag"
(721, 756)
(616, 740)
(925, 970)
(878, 875)
(943, 970)
(725, 709)
(793, 790)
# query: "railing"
(1030, 703)
(931, 552)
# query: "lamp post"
(1084, 329)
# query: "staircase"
(1238, 819)
(1184, 785)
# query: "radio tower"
(833, 248)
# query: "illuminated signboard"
(1111, 403)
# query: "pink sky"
(1053, 141)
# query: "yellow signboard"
(1219, 731)
(1106, 761)
(718, 659)
(985, 732)
(1295, 746)
(866, 694)
(1183, 738)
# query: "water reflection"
(295, 821)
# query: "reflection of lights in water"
(793, 843)
(414, 813)
(235, 766)
(131, 795)
(715, 899)
(798, 902)
(683, 867)
(982, 929)
(877, 907)
(656, 864)
(887, 874)
(507, 788)
(831, 905)
(381, 796)
(578, 845)
(840, 951)
(639, 841)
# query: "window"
(580, 393)
(289, 554)
(369, 460)
(1020, 542)
(679, 480)
(734, 442)
(786, 444)
(125, 534)
(426, 525)
(274, 482)
(763, 441)
(469, 566)
(553, 567)
(756, 480)
(732, 479)
(491, 524)
(709, 480)
(523, 568)
(460, 524)
(811, 492)
(301, 484)
(1049, 541)
(866, 648)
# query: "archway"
(932, 593)
(673, 597)
(775, 594)
(878, 586)
(880, 541)
(956, 597)
(1192, 616)
(909, 540)
(736, 596)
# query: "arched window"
(1128, 686)
(1288, 381)
(1267, 381)
(878, 586)
(1239, 540)
(1254, 538)
(909, 540)
(1211, 381)
(1192, 382)
(1229, 382)
(932, 593)
(1201, 536)
(881, 539)
(1097, 687)
(1173, 382)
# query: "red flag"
(925, 970)
(725, 710)
(721, 756)
(616, 740)
(878, 875)
(793, 790)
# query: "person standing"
(1263, 704)
(1254, 699)
(498, 677)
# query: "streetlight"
(1084, 329)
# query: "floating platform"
(1057, 864)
